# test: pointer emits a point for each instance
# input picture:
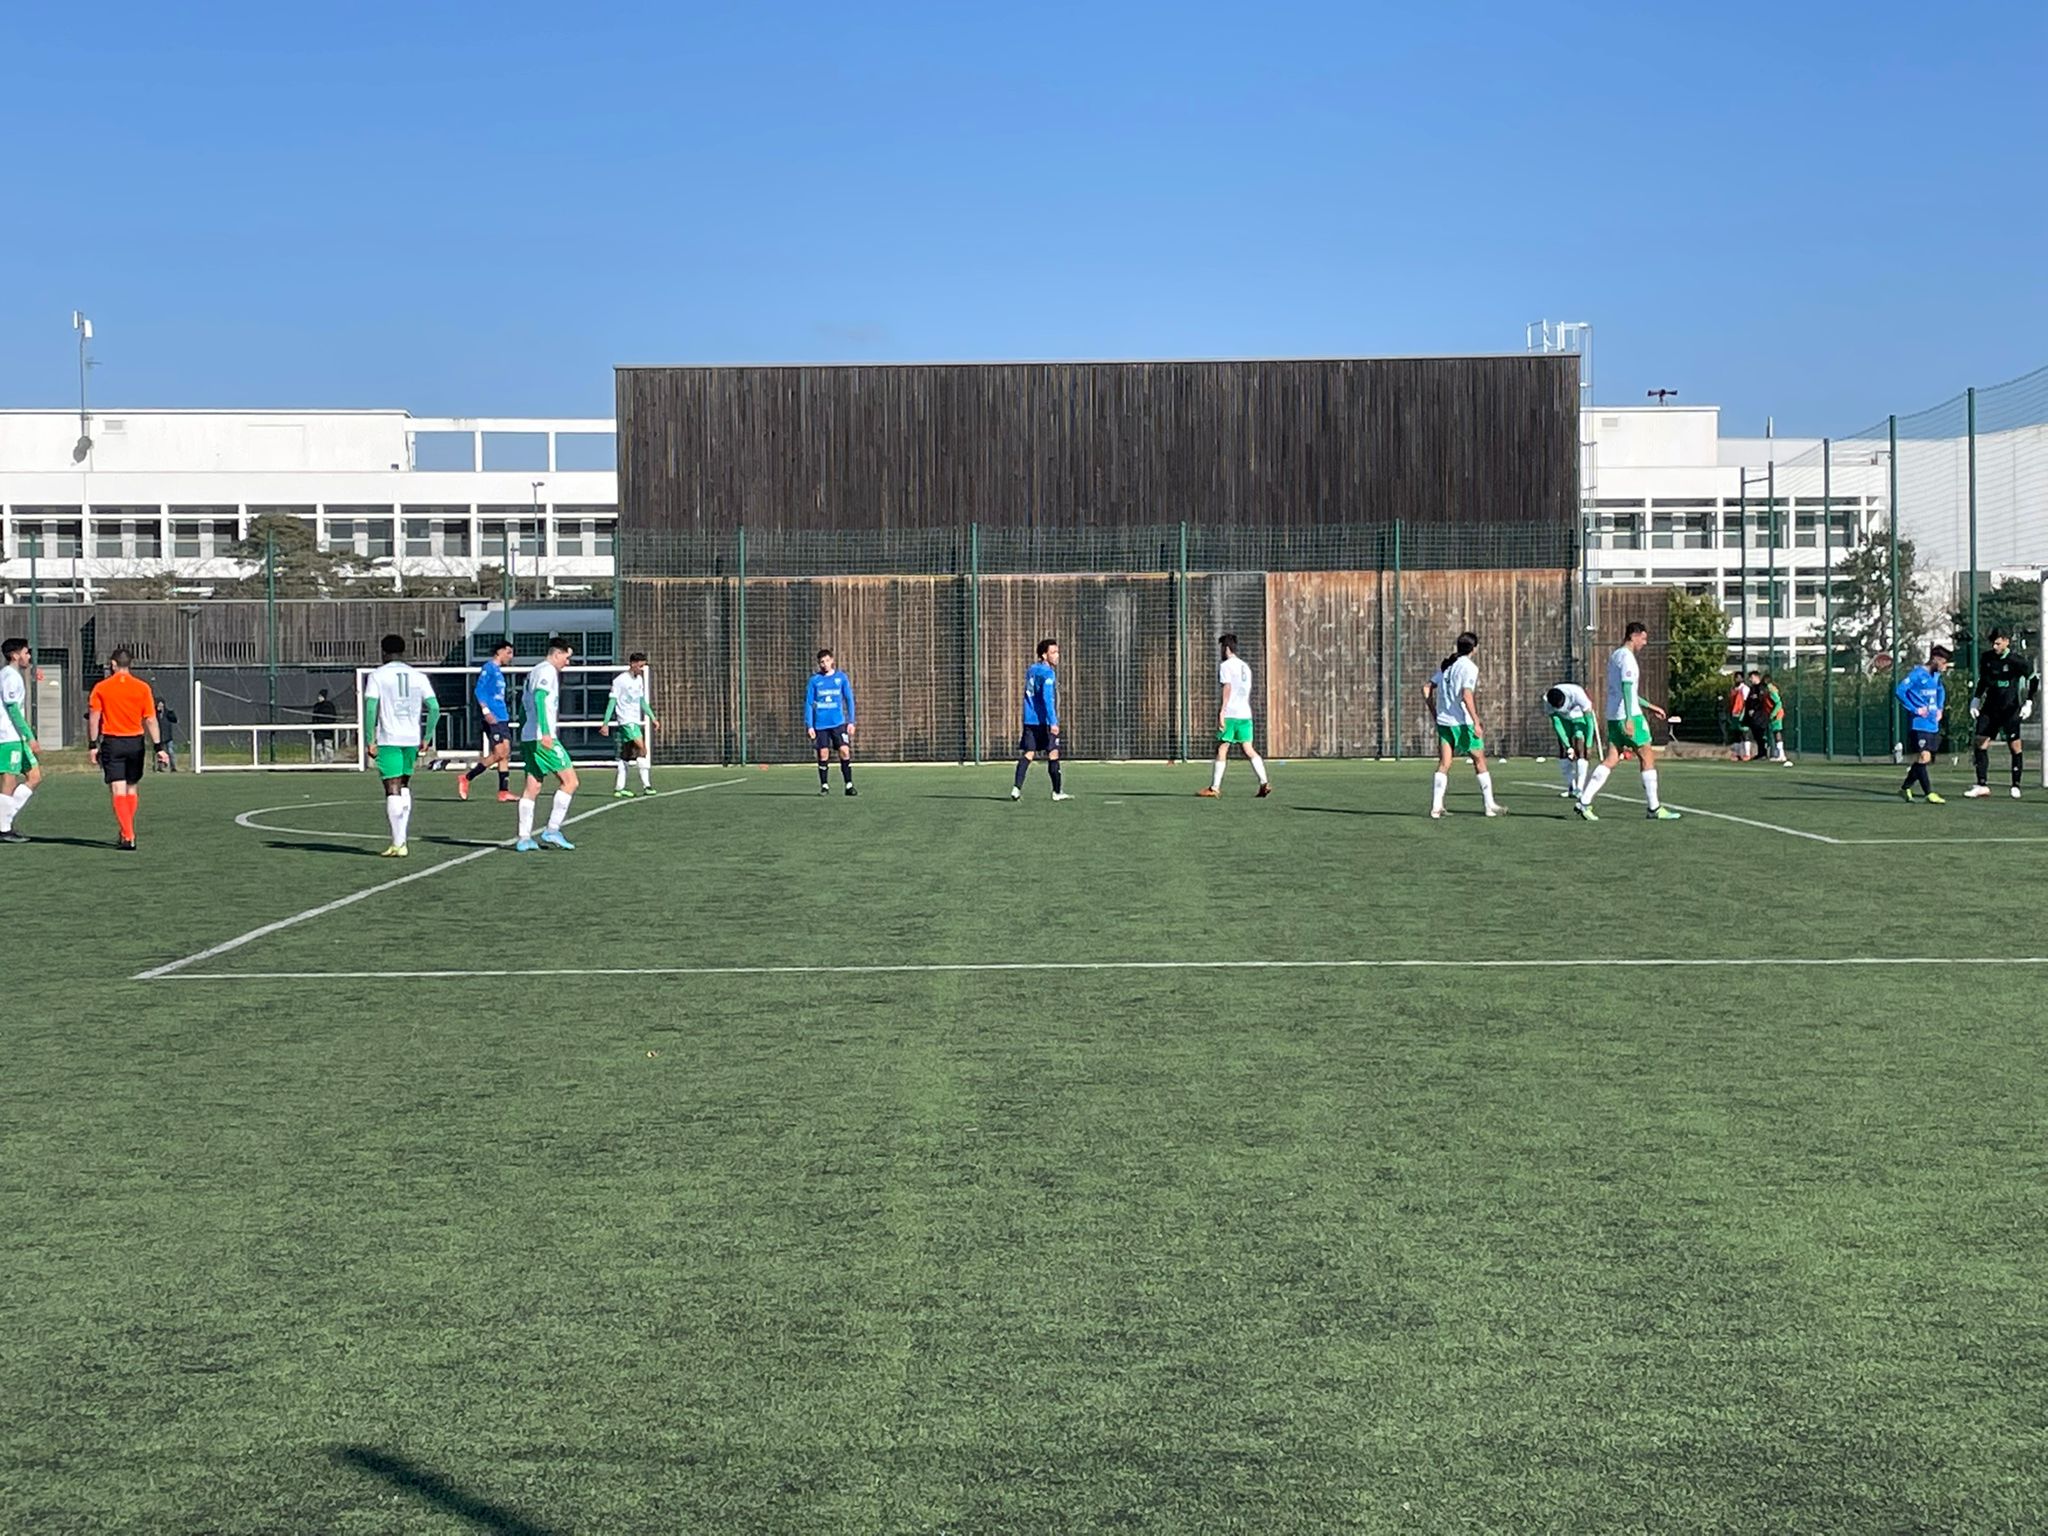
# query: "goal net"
(224, 740)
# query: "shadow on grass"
(431, 1488)
(71, 842)
(361, 850)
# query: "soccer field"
(928, 1162)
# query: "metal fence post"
(1976, 641)
(1400, 687)
(742, 649)
(974, 627)
(270, 629)
(1892, 459)
(1742, 534)
(1771, 559)
(1181, 629)
(1827, 545)
(35, 630)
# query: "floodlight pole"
(537, 545)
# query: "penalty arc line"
(1633, 962)
(173, 967)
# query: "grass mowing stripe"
(172, 967)
(1632, 962)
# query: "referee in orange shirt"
(123, 712)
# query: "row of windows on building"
(1706, 524)
(31, 532)
(1793, 599)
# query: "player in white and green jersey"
(627, 710)
(542, 751)
(19, 771)
(395, 696)
(1452, 692)
(1627, 729)
(1573, 718)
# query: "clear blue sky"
(1823, 211)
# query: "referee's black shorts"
(121, 759)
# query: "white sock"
(1258, 766)
(1216, 778)
(622, 774)
(525, 817)
(1486, 787)
(1593, 784)
(561, 810)
(1585, 771)
(394, 812)
(646, 773)
(404, 814)
(11, 806)
(1438, 783)
(1650, 787)
(1568, 770)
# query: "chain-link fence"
(1341, 626)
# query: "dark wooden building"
(1284, 444)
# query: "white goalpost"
(221, 745)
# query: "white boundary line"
(1692, 810)
(940, 968)
(1832, 842)
(172, 967)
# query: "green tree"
(304, 569)
(2013, 606)
(1698, 653)
(1863, 602)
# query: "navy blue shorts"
(496, 731)
(833, 736)
(1923, 741)
(1038, 738)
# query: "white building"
(150, 494)
(1673, 503)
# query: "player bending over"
(19, 771)
(629, 710)
(828, 721)
(394, 698)
(1627, 729)
(1458, 734)
(1571, 717)
(1925, 696)
(543, 753)
(120, 713)
(2007, 687)
(1041, 720)
(1234, 719)
(495, 716)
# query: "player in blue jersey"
(1924, 697)
(828, 721)
(495, 716)
(1041, 720)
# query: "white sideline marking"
(314, 805)
(1408, 963)
(172, 967)
(1691, 810)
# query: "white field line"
(1635, 962)
(1833, 842)
(244, 820)
(173, 967)
(1692, 810)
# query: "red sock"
(124, 813)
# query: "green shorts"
(628, 734)
(1627, 735)
(15, 758)
(541, 761)
(396, 762)
(1573, 731)
(1236, 730)
(1461, 739)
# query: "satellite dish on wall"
(80, 449)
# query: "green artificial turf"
(1449, 1247)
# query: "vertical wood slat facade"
(1283, 443)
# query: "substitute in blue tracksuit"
(1924, 697)
(828, 721)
